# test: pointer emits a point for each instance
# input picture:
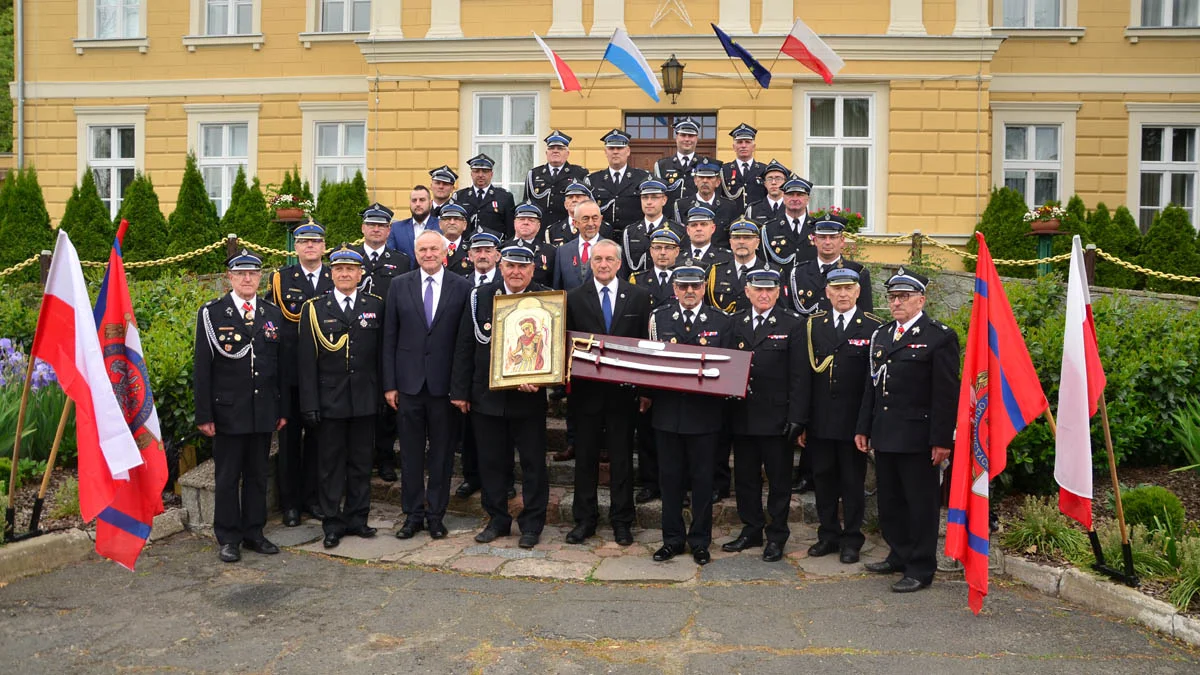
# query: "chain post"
(231, 245)
(1089, 264)
(914, 253)
(45, 258)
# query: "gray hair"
(608, 242)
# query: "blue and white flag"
(625, 55)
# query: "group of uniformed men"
(391, 339)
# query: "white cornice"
(1044, 106)
(1094, 83)
(684, 47)
(233, 86)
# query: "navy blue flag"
(733, 49)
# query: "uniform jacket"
(415, 355)
(560, 232)
(807, 286)
(726, 211)
(547, 192)
(761, 212)
(619, 204)
(459, 262)
(715, 255)
(635, 242)
(659, 292)
(911, 404)
(777, 372)
(782, 246)
(543, 258)
(288, 289)
(745, 189)
(569, 268)
(832, 397)
(678, 178)
(682, 412)
(242, 395)
(472, 354)
(727, 291)
(494, 213)
(342, 383)
(630, 318)
(377, 276)
(401, 237)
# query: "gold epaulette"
(816, 314)
(873, 317)
(277, 294)
(633, 278)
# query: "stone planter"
(289, 214)
(1045, 225)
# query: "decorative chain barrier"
(170, 260)
(1143, 270)
(20, 266)
(1017, 263)
(266, 250)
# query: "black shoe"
(331, 541)
(718, 495)
(908, 585)
(387, 474)
(262, 546)
(437, 530)
(291, 518)
(882, 567)
(701, 556)
(487, 535)
(622, 535)
(580, 533)
(315, 511)
(687, 500)
(849, 556)
(772, 552)
(410, 529)
(230, 553)
(821, 548)
(366, 532)
(666, 553)
(803, 485)
(529, 539)
(741, 544)
(646, 495)
(466, 490)
(512, 492)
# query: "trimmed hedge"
(339, 208)
(1170, 246)
(194, 222)
(86, 220)
(1003, 226)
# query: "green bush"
(146, 238)
(1076, 223)
(1042, 529)
(1151, 506)
(66, 500)
(19, 306)
(1169, 246)
(250, 219)
(293, 185)
(1003, 226)
(86, 220)
(1119, 236)
(25, 227)
(194, 222)
(1187, 432)
(338, 210)
(1188, 584)
(236, 193)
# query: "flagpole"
(599, 66)
(1093, 537)
(739, 74)
(36, 516)
(10, 513)
(1126, 548)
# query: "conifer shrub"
(24, 224)
(146, 238)
(86, 220)
(1003, 225)
(339, 208)
(194, 222)
(1117, 235)
(1170, 246)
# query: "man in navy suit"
(424, 309)
(571, 267)
(404, 232)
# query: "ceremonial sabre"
(633, 365)
(647, 348)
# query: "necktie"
(374, 256)
(312, 280)
(428, 301)
(616, 176)
(899, 332)
(482, 280)
(248, 312)
(687, 318)
(695, 253)
(758, 322)
(841, 325)
(742, 275)
(606, 307)
(347, 307)
(586, 245)
(775, 209)
(796, 225)
(745, 168)
(825, 269)
(479, 195)
(684, 162)
(662, 278)
(553, 172)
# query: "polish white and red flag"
(566, 77)
(1080, 387)
(803, 45)
(66, 338)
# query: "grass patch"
(66, 499)
(1042, 530)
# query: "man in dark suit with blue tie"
(424, 309)
(571, 267)
(404, 232)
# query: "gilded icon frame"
(529, 340)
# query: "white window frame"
(468, 123)
(1068, 23)
(86, 30)
(320, 112)
(1062, 114)
(312, 23)
(1136, 30)
(513, 183)
(1031, 167)
(1157, 115)
(87, 117)
(876, 215)
(198, 30)
(200, 114)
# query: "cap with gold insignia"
(841, 276)
(743, 227)
(687, 274)
(484, 239)
(652, 187)
(244, 261)
(775, 165)
(707, 168)
(687, 125)
(528, 210)
(830, 224)
(345, 256)
(743, 132)
(481, 161)
(310, 231)
(664, 235)
(376, 214)
(904, 280)
(616, 139)
(762, 278)
(558, 138)
(453, 210)
(700, 213)
(443, 174)
(797, 184)
(517, 254)
(578, 189)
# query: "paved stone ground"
(452, 606)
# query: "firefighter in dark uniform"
(770, 208)
(687, 425)
(664, 250)
(767, 422)
(707, 178)
(836, 373)
(545, 183)
(908, 416)
(615, 188)
(699, 248)
(241, 398)
(788, 241)
(742, 178)
(380, 266)
(453, 222)
(526, 225)
(808, 278)
(676, 170)
(488, 207)
(636, 237)
(441, 188)
(288, 289)
(340, 338)
(564, 230)
(727, 280)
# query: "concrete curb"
(43, 554)
(1101, 595)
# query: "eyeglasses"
(689, 286)
(899, 297)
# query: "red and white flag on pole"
(1079, 391)
(803, 45)
(66, 338)
(566, 77)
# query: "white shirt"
(652, 225)
(703, 249)
(822, 263)
(909, 324)
(591, 244)
(437, 286)
(846, 316)
(238, 301)
(367, 251)
(316, 275)
(685, 158)
(419, 227)
(340, 299)
(612, 290)
(659, 271)
(774, 204)
(616, 174)
(748, 265)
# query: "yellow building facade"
(939, 100)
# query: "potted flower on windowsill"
(1045, 218)
(288, 207)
